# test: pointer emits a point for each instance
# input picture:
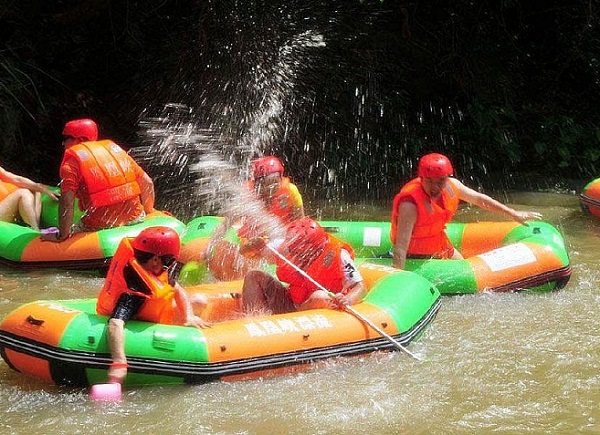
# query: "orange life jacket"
(428, 235)
(107, 172)
(281, 205)
(326, 269)
(157, 308)
(6, 189)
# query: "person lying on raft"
(20, 198)
(423, 207)
(322, 257)
(138, 286)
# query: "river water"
(495, 363)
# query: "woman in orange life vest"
(327, 260)
(283, 204)
(424, 206)
(20, 198)
(138, 286)
(111, 187)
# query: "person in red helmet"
(20, 199)
(270, 202)
(279, 195)
(424, 205)
(112, 189)
(325, 259)
(140, 285)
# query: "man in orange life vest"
(283, 204)
(111, 187)
(20, 198)
(279, 195)
(139, 286)
(424, 206)
(327, 260)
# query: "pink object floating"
(106, 392)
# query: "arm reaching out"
(485, 202)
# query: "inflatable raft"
(64, 342)
(589, 199)
(499, 256)
(21, 247)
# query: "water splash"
(199, 166)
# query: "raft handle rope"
(348, 308)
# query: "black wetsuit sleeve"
(129, 304)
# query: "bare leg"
(37, 205)
(262, 293)
(27, 209)
(20, 203)
(318, 299)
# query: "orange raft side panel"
(484, 237)
(43, 322)
(303, 330)
(224, 299)
(30, 365)
(511, 263)
(593, 191)
(82, 246)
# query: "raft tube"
(21, 247)
(589, 199)
(65, 342)
(499, 256)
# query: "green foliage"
(506, 86)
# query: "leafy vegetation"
(508, 86)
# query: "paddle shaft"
(348, 308)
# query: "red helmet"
(266, 166)
(158, 241)
(305, 233)
(435, 166)
(81, 128)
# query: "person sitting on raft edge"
(321, 257)
(112, 189)
(424, 205)
(139, 285)
(20, 198)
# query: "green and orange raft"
(589, 199)
(499, 256)
(21, 247)
(65, 342)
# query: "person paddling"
(322, 257)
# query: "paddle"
(348, 308)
